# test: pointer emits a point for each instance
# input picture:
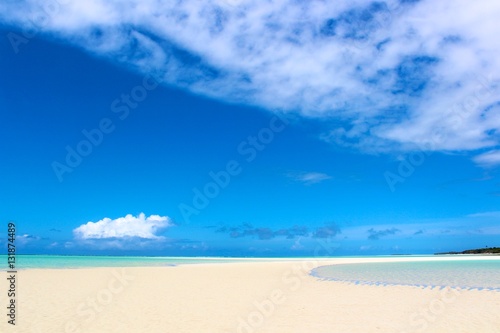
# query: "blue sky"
(241, 129)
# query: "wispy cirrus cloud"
(396, 74)
(486, 214)
(309, 178)
(491, 158)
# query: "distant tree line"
(486, 250)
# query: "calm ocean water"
(53, 261)
(467, 274)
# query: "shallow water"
(54, 261)
(467, 274)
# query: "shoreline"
(178, 261)
(143, 261)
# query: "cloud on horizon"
(264, 233)
(26, 238)
(397, 74)
(376, 234)
(129, 226)
(128, 244)
(328, 231)
(494, 214)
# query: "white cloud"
(486, 214)
(124, 227)
(422, 73)
(297, 244)
(26, 238)
(485, 223)
(309, 178)
(490, 158)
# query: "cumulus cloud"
(397, 74)
(129, 226)
(309, 178)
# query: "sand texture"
(249, 297)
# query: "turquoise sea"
(54, 261)
(465, 274)
(468, 274)
(59, 261)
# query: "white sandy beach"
(249, 297)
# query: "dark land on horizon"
(485, 250)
